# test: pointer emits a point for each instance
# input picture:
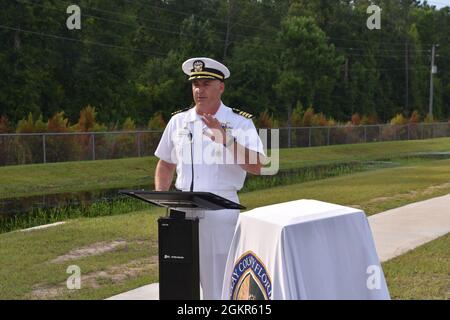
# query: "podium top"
(291, 213)
(179, 199)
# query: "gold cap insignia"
(198, 65)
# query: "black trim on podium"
(178, 239)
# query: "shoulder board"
(242, 113)
(181, 110)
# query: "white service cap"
(205, 68)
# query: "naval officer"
(211, 147)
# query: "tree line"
(287, 57)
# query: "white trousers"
(216, 231)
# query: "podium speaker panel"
(179, 259)
(179, 270)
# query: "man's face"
(207, 92)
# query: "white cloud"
(439, 3)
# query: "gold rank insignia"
(243, 113)
(181, 110)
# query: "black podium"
(178, 240)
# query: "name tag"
(183, 132)
(226, 125)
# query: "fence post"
(138, 138)
(379, 133)
(44, 151)
(309, 143)
(93, 146)
(289, 136)
(365, 134)
(328, 137)
(408, 131)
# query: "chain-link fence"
(324, 136)
(30, 148)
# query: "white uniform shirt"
(213, 170)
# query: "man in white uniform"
(212, 147)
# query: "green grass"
(284, 177)
(26, 257)
(61, 177)
(41, 216)
(314, 172)
(422, 273)
(120, 204)
(40, 179)
(364, 151)
(374, 191)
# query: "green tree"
(162, 86)
(254, 72)
(310, 66)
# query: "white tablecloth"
(303, 249)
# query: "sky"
(439, 3)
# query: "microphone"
(192, 162)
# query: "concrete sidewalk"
(148, 292)
(401, 229)
(394, 231)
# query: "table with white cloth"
(303, 249)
